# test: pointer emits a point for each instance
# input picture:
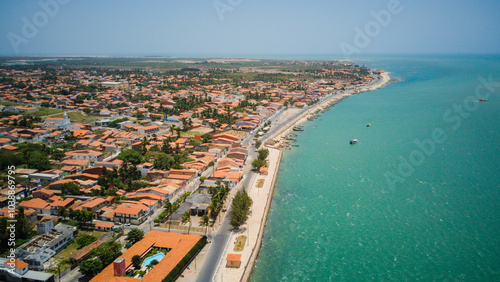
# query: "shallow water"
(385, 208)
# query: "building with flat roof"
(41, 248)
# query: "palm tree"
(184, 123)
(62, 212)
(186, 218)
(205, 220)
(172, 129)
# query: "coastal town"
(150, 170)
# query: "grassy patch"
(78, 117)
(260, 183)
(240, 243)
(73, 247)
(237, 133)
(96, 233)
(67, 251)
(41, 112)
(9, 104)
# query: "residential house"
(18, 271)
(87, 155)
(42, 207)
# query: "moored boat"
(353, 141)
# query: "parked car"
(127, 224)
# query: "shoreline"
(328, 102)
(255, 225)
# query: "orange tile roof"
(36, 203)
(18, 264)
(136, 209)
(180, 245)
(233, 257)
(9, 147)
(104, 224)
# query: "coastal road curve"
(220, 239)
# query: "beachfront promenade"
(210, 265)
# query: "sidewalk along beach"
(249, 236)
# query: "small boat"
(353, 141)
(298, 128)
(295, 145)
(368, 125)
(483, 100)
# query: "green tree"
(38, 160)
(163, 161)
(90, 267)
(57, 154)
(131, 156)
(70, 188)
(23, 227)
(85, 240)
(186, 218)
(258, 163)
(257, 144)
(8, 158)
(134, 236)
(239, 208)
(263, 153)
(136, 261)
(205, 138)
(62, 212)
(107, 252)
(205, 221)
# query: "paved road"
(220, 239)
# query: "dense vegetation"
(239, 208)
(260, 161)
(100, 257)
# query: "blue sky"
(247, 27)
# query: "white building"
(62, 123)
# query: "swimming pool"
(157, 257)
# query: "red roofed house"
(179, 245)
(87, 155)
(130, 213)
(41, 206)
(104, 226)
(233, 260)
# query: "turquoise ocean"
(417, 199)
